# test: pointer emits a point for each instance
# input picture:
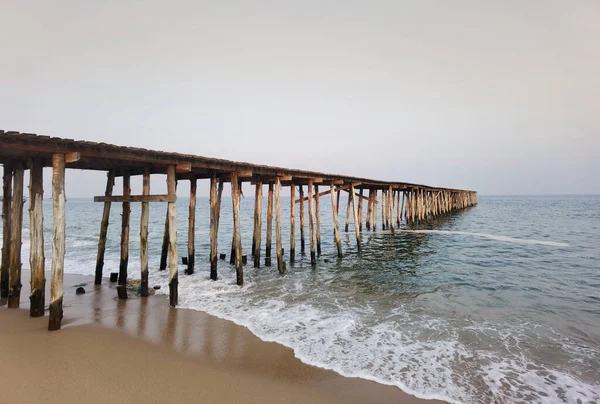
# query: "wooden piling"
(355, 211)
(337, 205)
(374, 210)
(346, 227)
(302, 240)
(257, 223)
(336, 225)
(391, 208)
(402, 207)
(398, 212)
(122, 287)
(278, 241)
(292, 222)
(58, 242)
(144, 220)
(6, 227)
(237, 236)
(16, 222)
(369, 210)
(311, 226)
(360, 209)
(110, 182)
(383, 209)
(269, 225)
(317, 220)
(172, 211)
(36, 251)
(165, 245)
(215, 210)
(192, 226)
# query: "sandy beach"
(141, 350)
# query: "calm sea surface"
(498, 303)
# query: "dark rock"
(156, 287)
(80, 291)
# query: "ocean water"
(496, 303)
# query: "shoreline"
(185, 344)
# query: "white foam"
(492, 237)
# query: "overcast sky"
(498, 96)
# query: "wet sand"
(141, 350)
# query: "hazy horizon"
(500, 98)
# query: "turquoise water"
(497, 303)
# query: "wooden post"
(302, 240)
(122, 287)
(16, 222)
(355, 211)
(144, 219)
(383, 209)
(36, 251)
(292, 222)
(311, 226)
(318, 220)
(257, 223)
(391, 208)
(237, 237)
(278, 241)
(348, 213)
(360, 209)
(374, 209)
(269, 226)
(58, 242)
(402, 206)
(6, 227)
(369, 209)
(336, 225)
(398, 213)
(110, 182)
(215, 210)
(337, 205)
(172, 212)
(165, 245)
(192, 226)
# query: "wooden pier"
(397, 201)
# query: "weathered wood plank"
(16, 222)
(36, 250)
(136, 198)
(72, 157)
(144, 220)
(110, 182)
(58, 242)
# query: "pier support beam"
(318, 220)
(374, 210)
(172, 223)
(215, 211)
(348, 213)
(122, 287)
(16, 233)
(144, 219)
(36, 250)
(110, 182)
(311, 226)
(6, 227)
(336, 225)
(280, 264)
(383, 209)
(237, 237)
(391, 208)
(302, 240)
(165, 244)
(355, 211)
(192, 227)
(369, 210)
(257, 224)
(269, 241)
(58, 242)
(360, 209)
(292, 222)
